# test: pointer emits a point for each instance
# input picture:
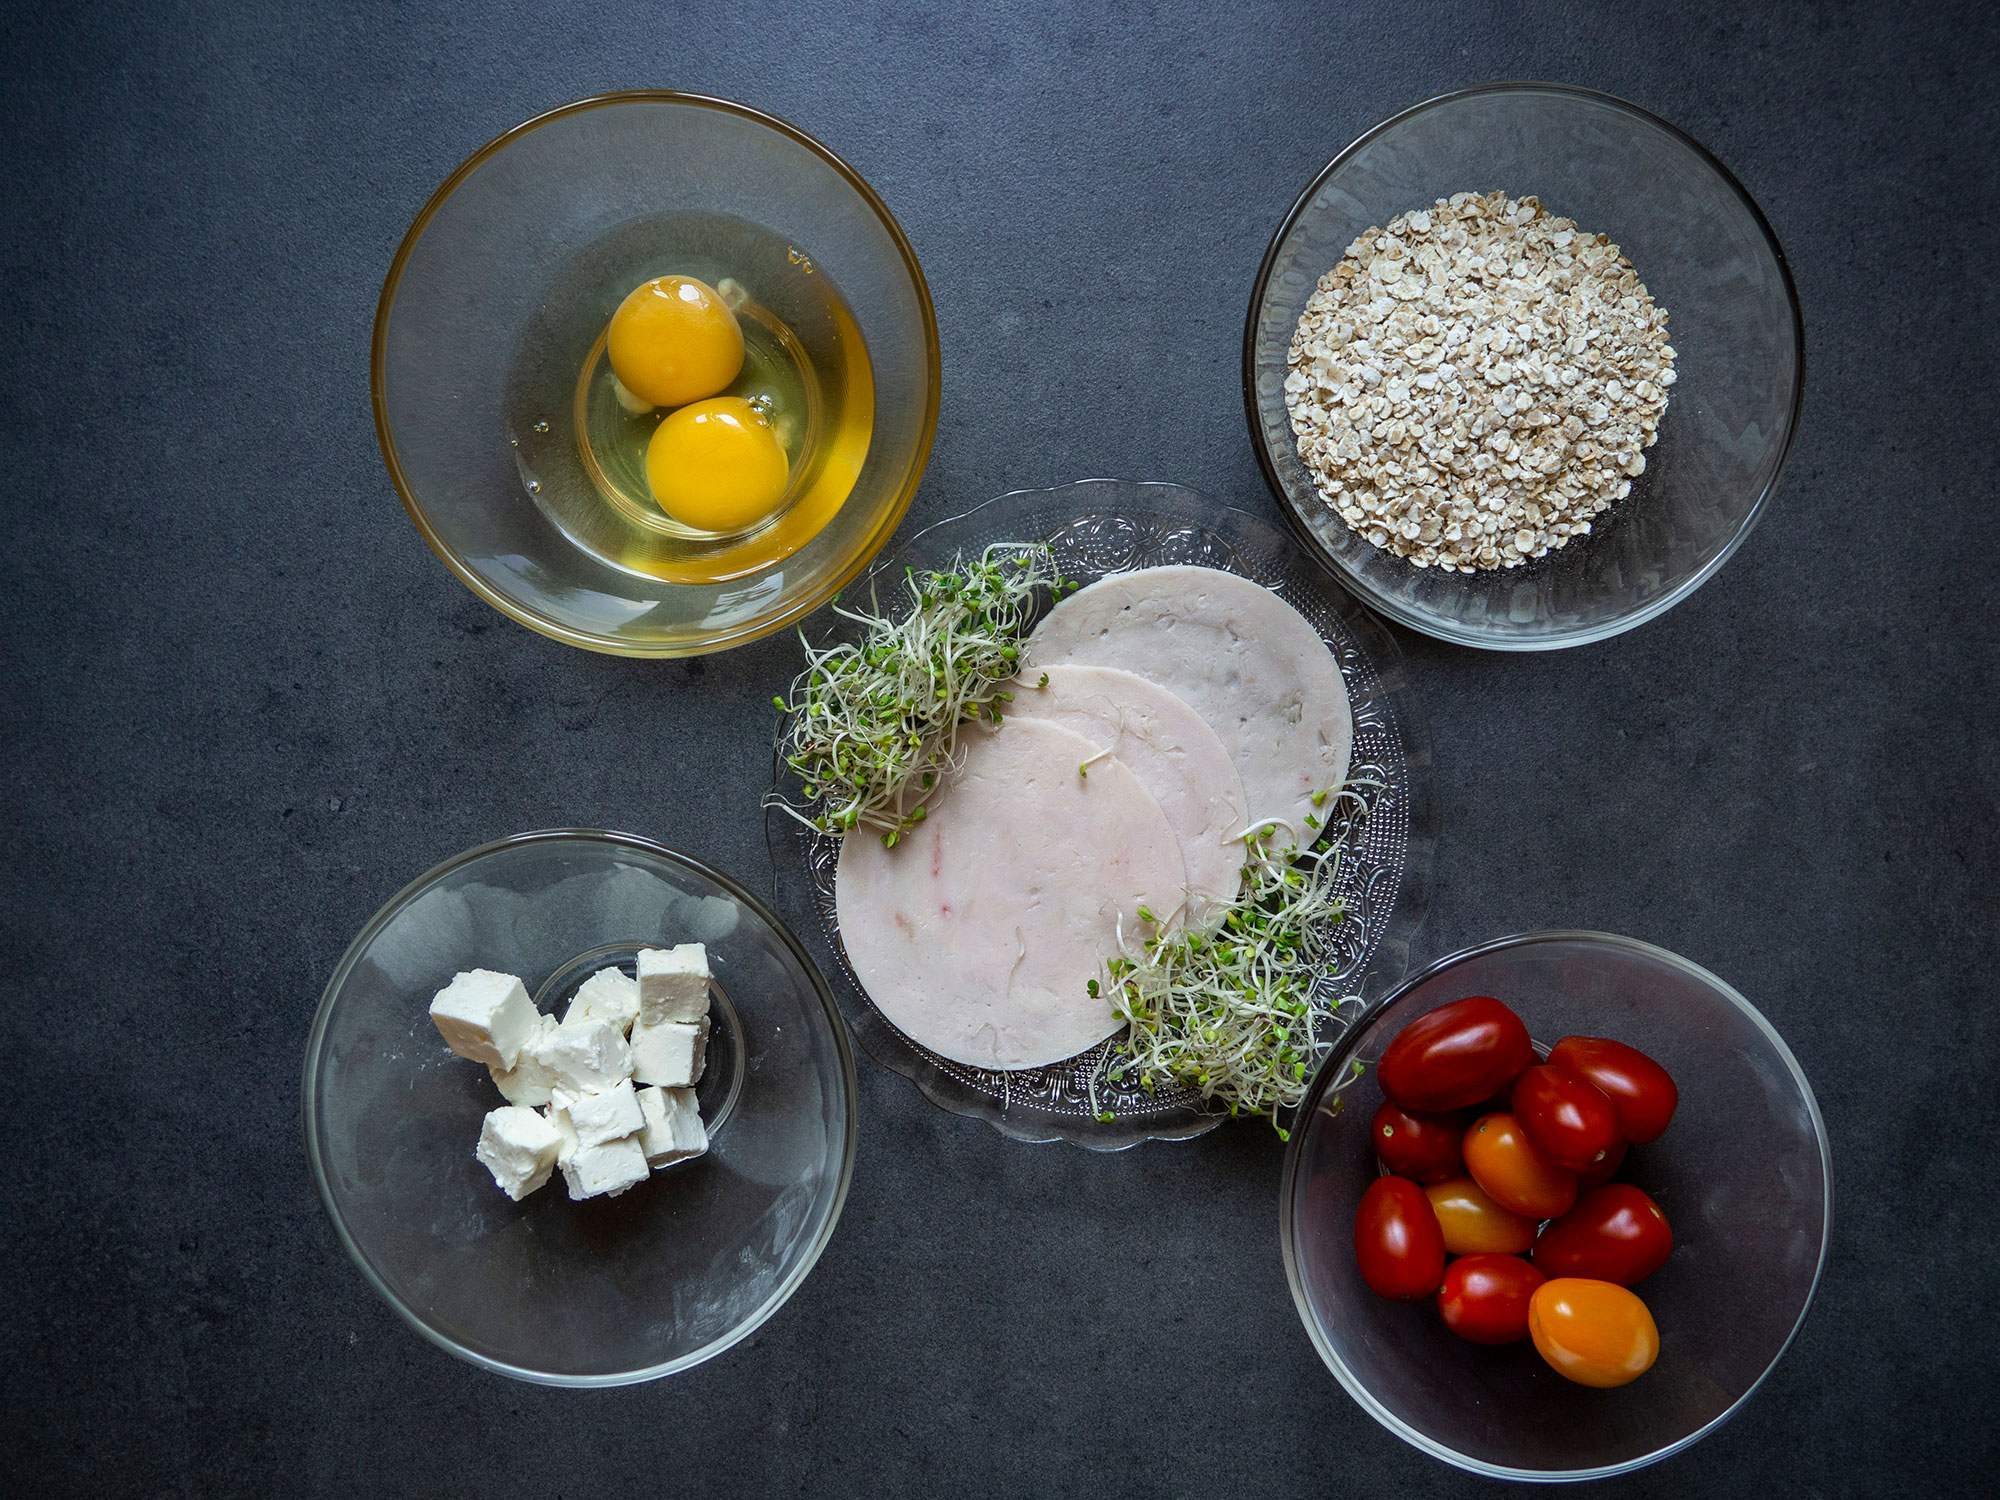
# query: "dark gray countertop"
(241, 703)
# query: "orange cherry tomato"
(1474, 1224)
(1593, 1332)
(1514, 1173)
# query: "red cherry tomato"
(1571, 1122)
(1421, 1147)
(1473, 1224)
(1455, 1056)
(1639, 1089)
(1485, 1298)
(1594, 1332)
(1514, 1173)
(1397, 1239)
(1604, 1171)
(1615, 1234)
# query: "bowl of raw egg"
(655, 374)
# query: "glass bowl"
(1702, 248)
(1743, 1175)
(525, 228)
(613, 1290)
(1098, 527)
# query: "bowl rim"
(1336, 1063)
(1416, 619)
(310, 1096)
(535, 619)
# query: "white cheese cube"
(671, 1053)
(519, 1148)
(485, 1016)
(558, 1119)
(597, 1118)
(528, 1082)
(673, 983)
(674, 1130)
(608, 995)
(606, 1170)
(584, 1057)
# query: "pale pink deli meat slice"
(1240, 656)
(1172, 750)
(978, 934)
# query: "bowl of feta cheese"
(580, 1108)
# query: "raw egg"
(717, 465)
(673, 341)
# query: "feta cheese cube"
(674, 1130)
(485, 1016)
(606, 1170)
(528, 1082)
(597, 1118)
(673, 983)
(608, 995)
(519, 1148)
(671, 1052)
(584, 1057)
(558, 1118)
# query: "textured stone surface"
(241, 703)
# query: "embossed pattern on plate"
(1097, 528)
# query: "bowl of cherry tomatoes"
(1555, 1207)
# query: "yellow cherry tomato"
(716, 465)
(1594, 1332)
(1474, 1224)
(673, 341)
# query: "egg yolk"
(673, 341)
(716, 465)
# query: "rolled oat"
(1476, 380)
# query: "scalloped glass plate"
(1098, 527)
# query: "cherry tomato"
(1456, 1055)
(1473, 1224)
(1397, 1240)
(1615, 1234)
(1485, 1298)
(1514, 1173)
(1594, 1332)
(1639, 1089)
(1603, 1172)
(1421, 1147)
(1571, 1122)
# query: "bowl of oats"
(1522, 366)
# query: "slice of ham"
(1172, 750)
(1240, 656)
(977, 935)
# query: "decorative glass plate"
(1098, 527)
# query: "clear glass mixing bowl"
(1702, 248)
(506, 233)
(612, 1290)
(1743, 1175)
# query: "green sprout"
(874, 723)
